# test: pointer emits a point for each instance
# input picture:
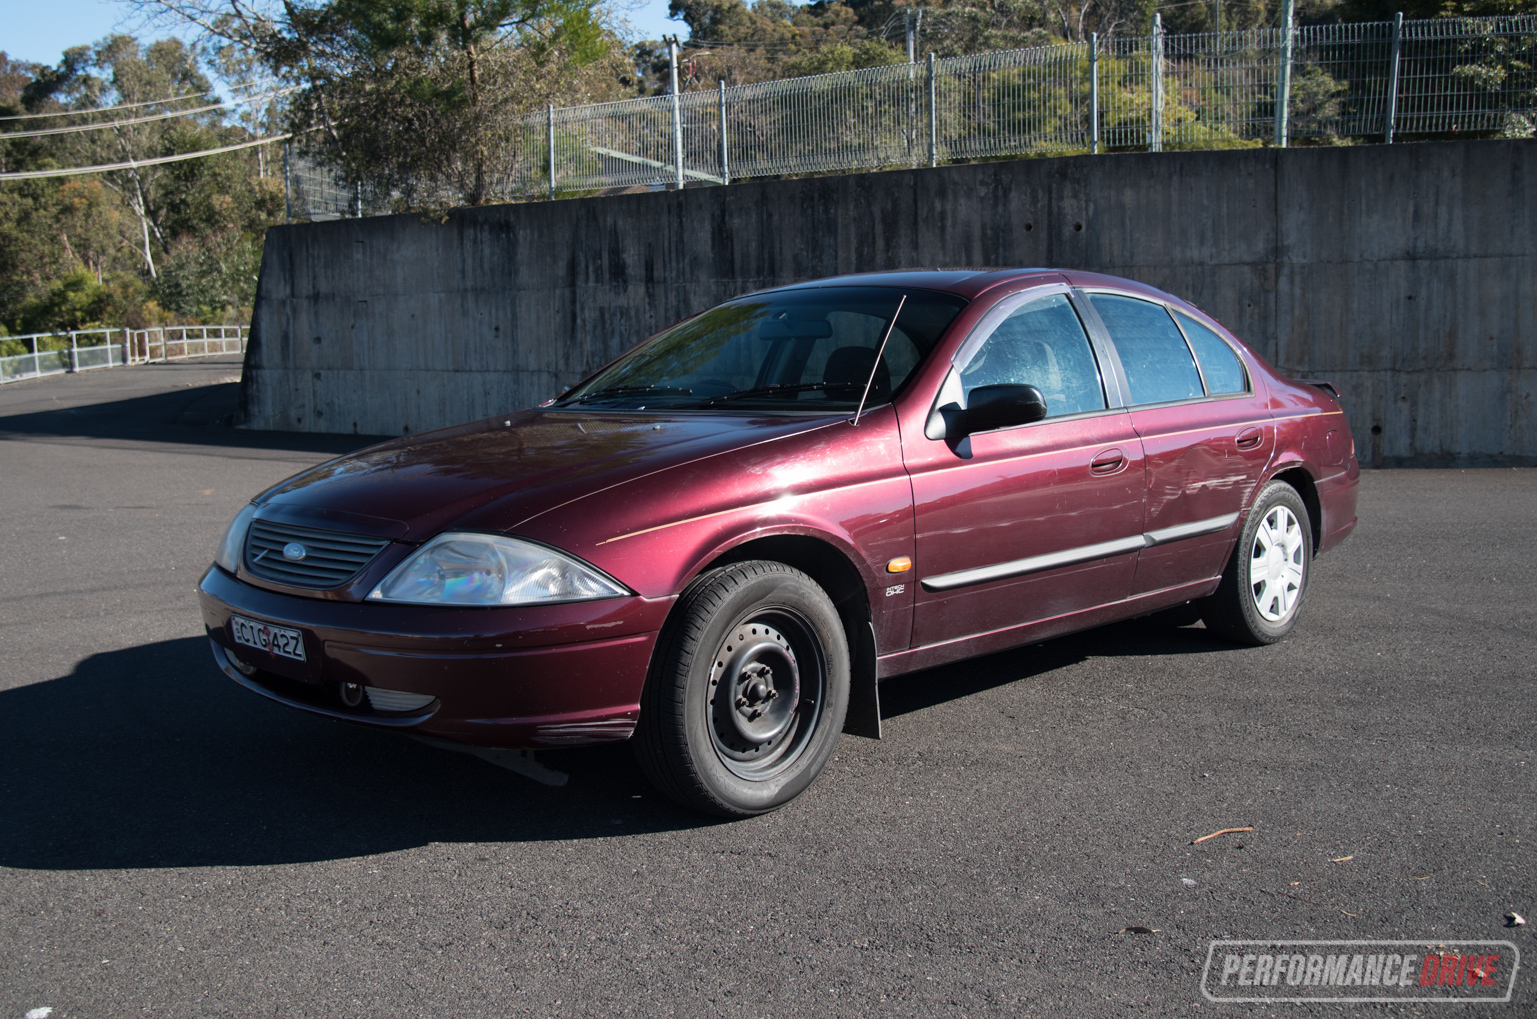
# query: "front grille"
(331, 557)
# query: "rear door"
(1205, 433)
(1026, 523)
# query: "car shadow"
(147, 757)
(196, 415)
(1162, 633)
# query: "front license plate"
(277, 640)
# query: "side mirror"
(990, 407)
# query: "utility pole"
(677, 110)
(912, 19)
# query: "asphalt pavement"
(171, 845)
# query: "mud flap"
(864, 715)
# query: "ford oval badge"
(294, 551)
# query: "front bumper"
(541, 676)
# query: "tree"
(416, 96)
(143, 245)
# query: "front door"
(1027, 523)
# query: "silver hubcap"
(1276, 564)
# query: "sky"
(40, 30)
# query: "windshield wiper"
(629, 391)
(784, 387)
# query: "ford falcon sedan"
(719, 544)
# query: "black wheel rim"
(767, 684)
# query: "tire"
(747, 692)
(1266, 580)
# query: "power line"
(111, 109)
(134, 163)
(75, 128)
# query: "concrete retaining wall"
(1405, 274)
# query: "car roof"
(967, 283)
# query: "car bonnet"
(492, 474)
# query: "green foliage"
(210, 278)
(842, 56)
(153, 245)
(415, 96)
(1383, 10)
(75, 301)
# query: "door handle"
(1249, 438)
(1107, 462)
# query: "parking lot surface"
(173, 845)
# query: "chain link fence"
(1380, 81)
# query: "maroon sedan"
(721, 542)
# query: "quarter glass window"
(1041, 344)
(1158, 364)
(1223, 370)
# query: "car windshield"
(794, 350)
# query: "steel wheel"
(765, 697)
(1266, 580)
(1276, 564)
(747, 692)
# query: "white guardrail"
(83, 349)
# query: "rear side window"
(1158, 364)
(1041, 344)
(1223, 370)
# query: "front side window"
(795, 350)
(1158, 364)
(1041, 344)
(1223, 370)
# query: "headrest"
(851, 366)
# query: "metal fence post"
(677, 113)
(74, 352)
(933, 121)
(1094, 92)
(1398, 38)
(550, 145)
(725, 151)
(1155, 110)
(1284, 84)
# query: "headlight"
(228, 555)
(488, 569)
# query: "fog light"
(397, 700)
(352, 694)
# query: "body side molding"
(1081, 554)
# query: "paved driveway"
(172, 845)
